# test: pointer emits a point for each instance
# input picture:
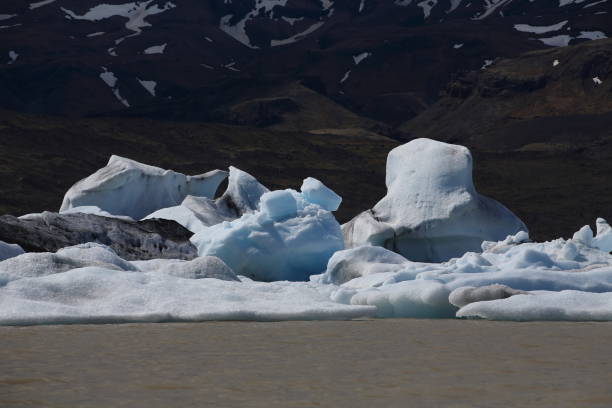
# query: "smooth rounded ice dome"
(431, 212)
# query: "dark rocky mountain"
(382, 59)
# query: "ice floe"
(470, 257)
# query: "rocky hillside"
(386, 60)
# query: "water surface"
(367, 363)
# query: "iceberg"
(603, 239)
(564, 305)
(431, 212)
(287, 238)
(128, 188)
(196, 213)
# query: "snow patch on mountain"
(297, 37)
(136, 13)
(360, 57)
(149, 86)
(269, 8)
(592, 35)
(490, 7)
(562, 40)
(526, 28)
(13, 56)
(110, 79)
(427, 6)
(41, 4)
(156, 49)
(7, 16)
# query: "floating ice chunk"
(196, 213)
(243, 192)
(126, 187)
(33, 265)
(98, 295)
(584, 235)
(418, 298)
(457, 46)
(95, 254)
(564, 305)
(353, 263)
(555, 63)
(205, 267)
(86, 209)
(9, 250)
(597, 81)
(603, 240)
(279, 205)
(518, 238)
(318, 193)
(273, 243)
(432, 211)
(469, 294)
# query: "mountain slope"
(387, 60)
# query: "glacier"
(431, 248)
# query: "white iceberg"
(432, 211)
(564, 305)
(603, 240)
(197, 213)
(288, 238)
(128, 188)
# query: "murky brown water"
(370, 363)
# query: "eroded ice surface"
(9, 250)
(126, 187)
(197, 213)
(432, 211)
(287, 238)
